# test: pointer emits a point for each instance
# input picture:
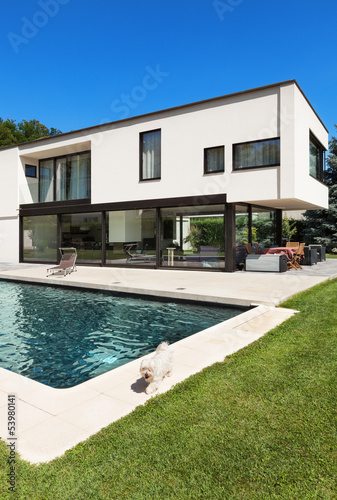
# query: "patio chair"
(67, 262)
(292, 244)
(295, 261)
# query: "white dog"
(156, 368)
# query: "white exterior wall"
(306, 187)
(184, 135)
(9, 205)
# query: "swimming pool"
(62, 337)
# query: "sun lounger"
(140, 257)
(67, 262)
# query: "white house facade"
(182, 187)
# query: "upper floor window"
(265, 153)
(214, 160)
(30, 170)
(150, 155)
(317, 157)
(65, 178)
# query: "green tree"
(288, 228)
(321, 225)
(12, 133)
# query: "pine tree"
(321, 225)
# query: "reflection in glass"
(40, 238)
(131, 237)
(263, 227)
(83, 232)
(257, 154)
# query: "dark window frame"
(220, 170)
(320, 157)
(141, 166)
(266, 165)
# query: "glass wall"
(40, 238)
(241, 224)
(263, 227)
(193, 237)
(241, 233)
(253, 225)
(131, 237)
(83, 232)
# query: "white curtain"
(46, 181)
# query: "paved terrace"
(51, 421)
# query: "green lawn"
(260, 425)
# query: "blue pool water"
(62, 337)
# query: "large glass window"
(316, 155)
(193, 237)
(150, 155)
(131, 237)
(83, 232)
(40, 238)
(73, 177)
(256, 154)
(214, 160)
(46, 180)
(65, 178)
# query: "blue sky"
(76, 63)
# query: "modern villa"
(179, 188)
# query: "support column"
(158, 233)
(230, 257)
(250, 224)
(104, 216)
(59, 236)
(278, 226)
(21, 239)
